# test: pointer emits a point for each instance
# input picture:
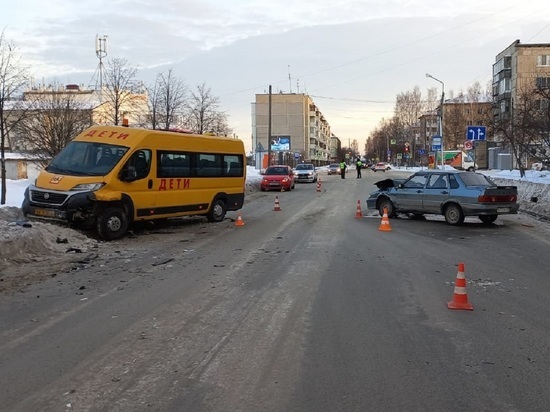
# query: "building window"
(543, 82)
(543, 60)
(504, 86)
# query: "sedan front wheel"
(388, 205)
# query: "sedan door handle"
(419, 191)
(444, 192)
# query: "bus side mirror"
(128, 174)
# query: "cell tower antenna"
(100, 52)
(289, 79)
(298, 86)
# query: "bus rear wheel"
(217, 211)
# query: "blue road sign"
(476, 132)
(421, 151)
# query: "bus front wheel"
(112, 223)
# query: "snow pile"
(24, 241)
(532, 197)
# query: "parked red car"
(278, 177)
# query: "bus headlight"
(92, 187)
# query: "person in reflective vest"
(343, 168)
(359, 166)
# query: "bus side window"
(234, 169)
(141, 161)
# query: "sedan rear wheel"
(454, 215)
(488, 218)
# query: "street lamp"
(440, 117)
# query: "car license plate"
(274, 184)
(503, 210)
(44, 212)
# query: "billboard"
(280, 143)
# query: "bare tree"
(379, 141)
(540, 147)
(433, 99)
(455, 124)
(167, 99)
(220, 126)
(55, 117)
(408, 107)
(526, 131)
(203, 114)
(516, 130)
(117, 94)
(355, 147)
(13, 77)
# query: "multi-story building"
(521, 81)
(520, 68)
(294, 119)
(335, 148)
(429, 127)
(93, 108)
(461, 112)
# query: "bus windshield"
(86, 158)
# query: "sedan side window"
(437, 182)
(417, 181)
(454, 183)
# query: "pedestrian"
(359, 166)
(343, 168)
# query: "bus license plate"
(44, 212)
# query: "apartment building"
(463, 111)
(519, 68)
(296, 121)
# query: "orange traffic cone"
(277, 207)
(460, 297)
(359, 213)
(385, 223)
(239, 221)
(319, 185)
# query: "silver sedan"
(451, 193)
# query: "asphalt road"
(304, 309)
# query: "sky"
(352, 56)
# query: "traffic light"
(406, 149)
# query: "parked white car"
(381, 166)
(305, 172)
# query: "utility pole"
(269, 130)
(440, 119)
(289, 79)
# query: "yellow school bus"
(112, 176)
